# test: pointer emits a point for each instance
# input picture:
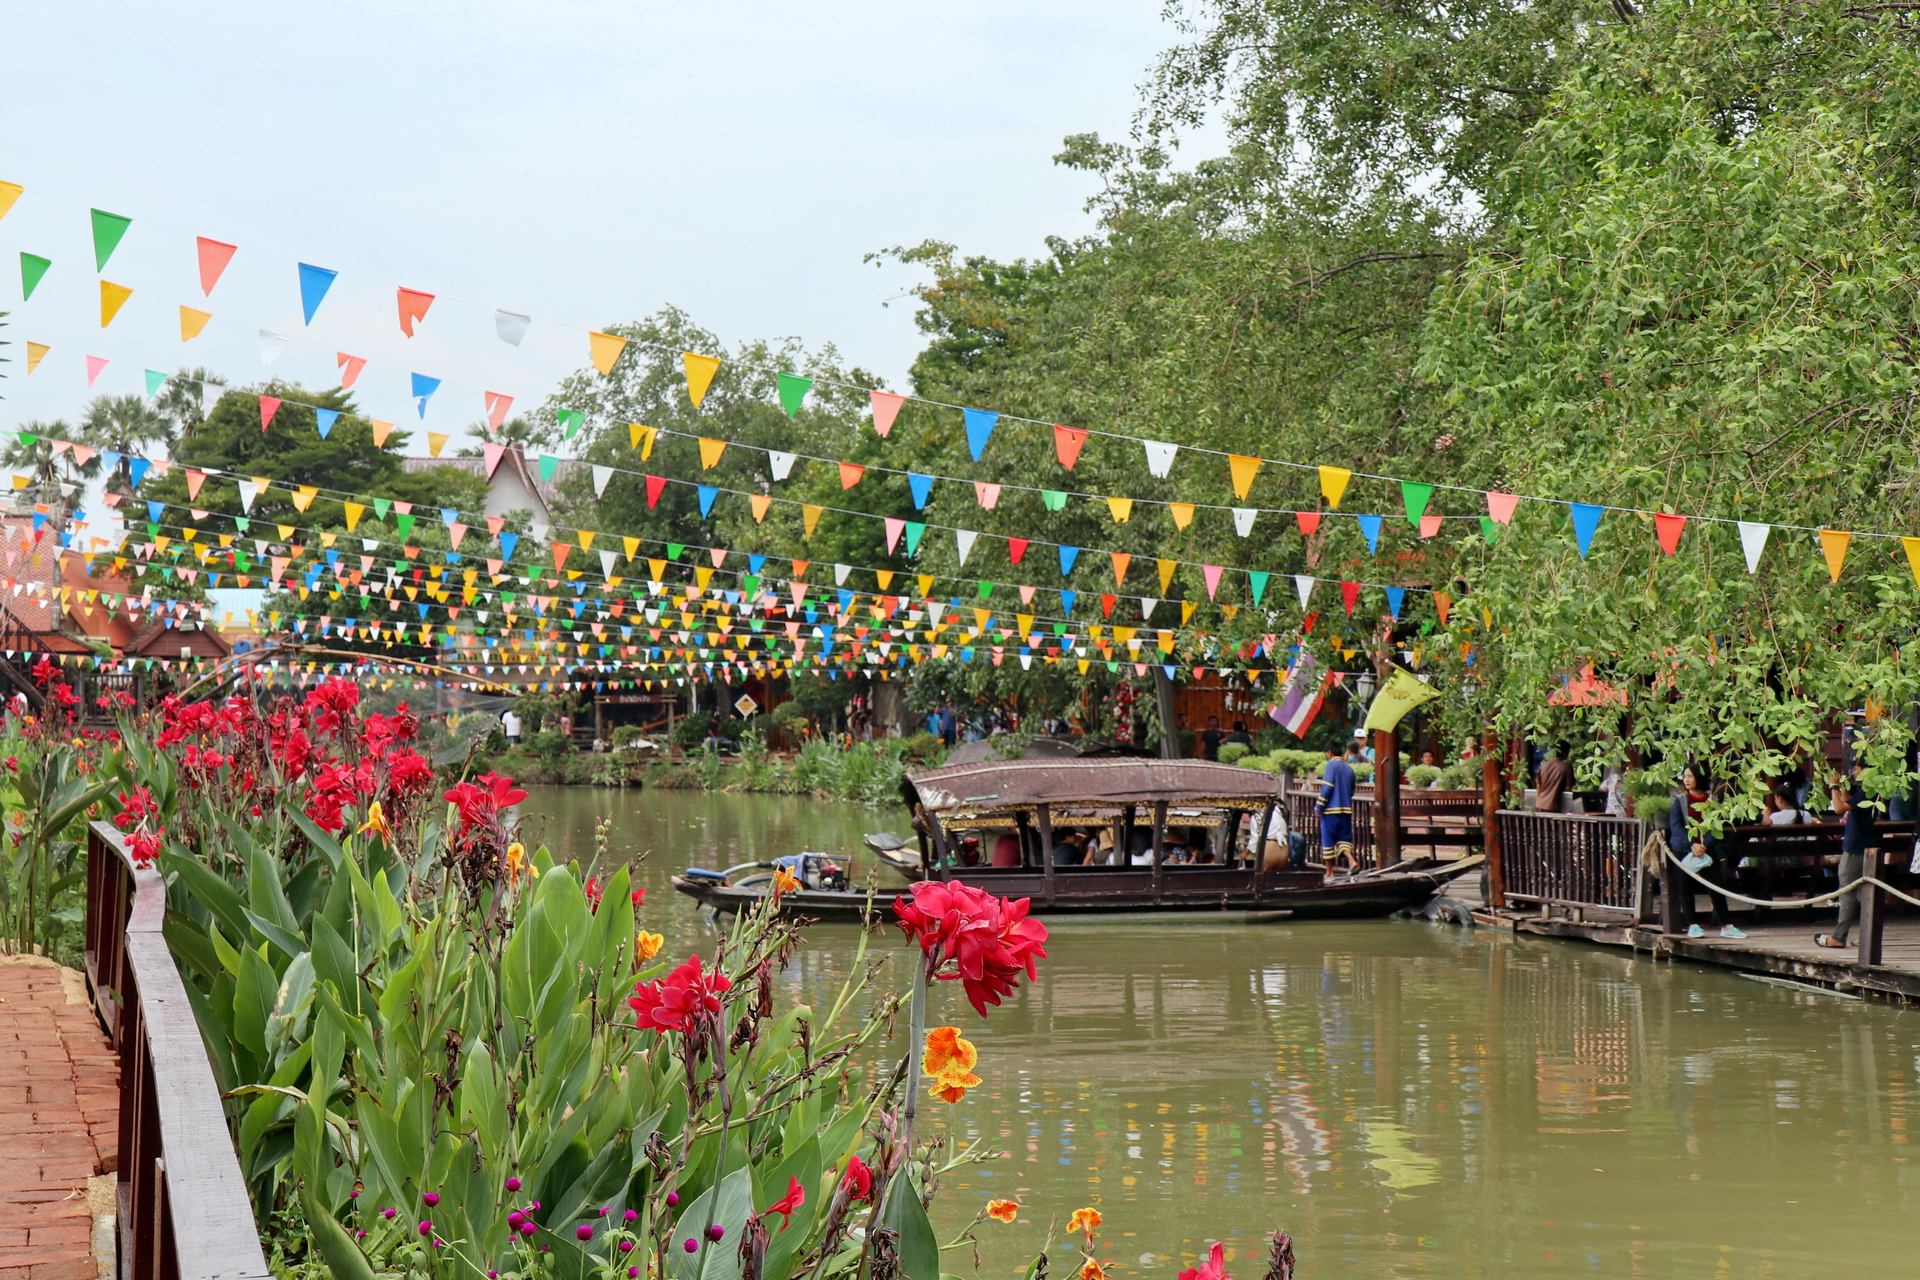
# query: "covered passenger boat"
(1123, 835)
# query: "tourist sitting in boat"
(1272, 849)
(1070, 850)
(1006, 850)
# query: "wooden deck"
(59, 1103)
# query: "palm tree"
(188, 397)
(29, 452)
(125, 425)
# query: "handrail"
(183, 1209)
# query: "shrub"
(1423, 775)
(1232, 751)
(688, 731)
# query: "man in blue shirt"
(1335, 808)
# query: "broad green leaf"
(919, 1248)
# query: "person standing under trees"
(1555, 776)
(1703, 852)
(1859, 834)
(1335, 808)
(1211, 738)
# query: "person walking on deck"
(1335, 809)
(1856, 837)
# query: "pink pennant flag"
(894, 529)
(214, 257)
(886, 407)
(1211, 574)
(493, 566)
(1429, 526)
(268, 407)
(457, 532)
(194, 480)
(350, 367)
(493, 453)
(495, 524)
(799, 590)
(1500, 506)
(83, 454)
(497, 406)
(94, 365)
(988, 494)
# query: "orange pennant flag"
(1668, 528)
(192, 322)
(1244, 470)
(606, 348)
(1834, 543)
(760, 502)
(381, 430)
(1182, 513)
(850, 473)
(413, 308)
(1066, 444)
(1121, 560)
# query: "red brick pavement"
(59, 1099)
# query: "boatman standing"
(1335, 807)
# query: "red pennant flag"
(1668, 529)
(1309, 522)
(214, 257)
(413, 309)
(1016, 548)
(560, 550)
(1350, 595)
(268, 407)
(1066, 444)
(1106, 605)
(850, 473)
(656, 485)
(886, 407)
(350, 367)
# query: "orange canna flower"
(949, 1062)
(1086, 1220)
(376, 822)
(1090, 1270)
(516, 861)
(647, 945)
(784, 881)
(1002, 1210)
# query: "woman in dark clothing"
(1699, 851)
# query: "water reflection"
(1404, 1099)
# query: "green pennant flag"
(242, 523)
(32, 267)
(1416, 497)
(916, 530)
(107, 230)
(380, 508)
(403, 525)
(27, 437)
(155, 380)
(572, 420)
(1258, 578)
(674, 549)
(986, 590)
(548, 464)
(1489, 528)
(793, 389)
(1054, 499)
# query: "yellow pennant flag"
(1333, 483)
(1187, 608)
(354, 511)
(1912, 546)
(1402, 692)
(1165, 640)
(9, 192)
(702, 575)
(884, 577)
(1244, 470)
(1834, 543)
(643, 438)
(656, 568)
(436, 442)
(381, 430)
(192, 322)
(1122, 509)
(1182, 513)
(328, 539)
(1166, 573)
(760, 502)
(710, 451)
(286, 531)
(586, 539)
(112, 298)
(925, 582)
(809, 517)
(303, 498)
(606, 349)
(36, 352)
(700, 371)
(632, 545)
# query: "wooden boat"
(1141, 804)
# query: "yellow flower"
(949, 1062)
(517, 862)
(1090, 1270)
(1084, 1220)
(784, 881)
(1002, 1210)
(647, 945)
(376, 822)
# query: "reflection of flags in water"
(1301, 696)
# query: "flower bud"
(691, 1245)
(513, 1184)
(584, 1231)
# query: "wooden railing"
(1430, 821)
(183, 1209)
(1587, 862)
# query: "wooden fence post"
(1386, 797)
(1492, 789)
(1873, 909)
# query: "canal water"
(1405, 1099)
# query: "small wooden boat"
(1152, 816)
(894, 852)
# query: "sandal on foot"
(1827, 940)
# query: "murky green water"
(1404, 1099)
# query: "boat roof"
(1016, 784)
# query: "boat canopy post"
(1159, 847)
(1045, 815)
(1026, 845)
(940, 845)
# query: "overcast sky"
(581, 163)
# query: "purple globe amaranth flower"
(527, 1228)
(515, 1218)
(692, 1245)
(631, 1215)
(673, 1199)
(534, 1207)
(389, 1214)
(513, 1184)
(353, 1195)
(626, 1246)
(716, 1231)
(632, 1272)
(426, 1228)
(493, 1275)
(431, 1199)
(584, 1231)
(604, 1211)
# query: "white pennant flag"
(782, 463)
(1147, 607)
(607, 559)
(540, 531)
(271, 345)
(600, 477)
(1160, 456)
(1304, 583)
(1753, 540)
(511, 326)
(934, 609)
(964, 537)
(1243, 520)
(247, 494)
(840, 572)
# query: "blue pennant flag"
(1067, 556)
(1394, 597)
(1586, 518)
(1066, 600)
(154, 509)
(137, 469)
(1370, 526)
(423, 389)
(708, 493)
(921, 486)
(1169, 668)
(754, 564)
(111, 458)
(846, 599)
(423, 611)
(314, 283)
(324, 419)
(508, 541)
(449, 517)
(979, 428)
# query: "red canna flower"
(988, 940)
(785, 1205)
(857, 1182)
(594, 891)
(144, 847)
(1214, 1268)
(673, 1002)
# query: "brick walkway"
(59, 1099)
